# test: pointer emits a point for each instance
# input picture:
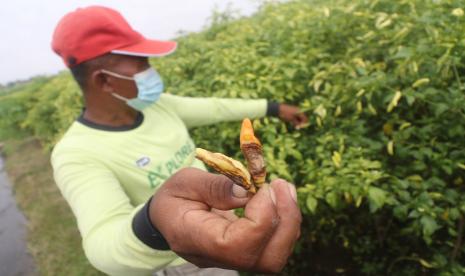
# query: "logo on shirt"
(143, 161)
(182, 158)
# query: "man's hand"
(293, 115)
(261, 241)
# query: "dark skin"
(191, 209)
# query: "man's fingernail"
(238, 191)
(292, 191)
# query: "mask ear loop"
(116, 75)
(124, 99)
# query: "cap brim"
(148, 48)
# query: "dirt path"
(14, 257)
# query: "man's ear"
(101, 81)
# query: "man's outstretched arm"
(204, 111)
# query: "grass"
(53, 238)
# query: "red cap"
(90, 32)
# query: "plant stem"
(458, 242)
(456, 73)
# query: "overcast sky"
(26, 27)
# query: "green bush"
(14, 107)
(381, 166)
(54, 106)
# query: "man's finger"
(275, 255)
(227, 214)
(302, 118)
(214, 190)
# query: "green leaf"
(400, 212)
(440, 108)
(403, 53)
(429, 226)
(377, 198)
(425, 263)
(311, 203)
(332, 199)
(420, 82)
(410, 99)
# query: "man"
(122, 165)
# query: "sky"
(26, 27)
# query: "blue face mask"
(149, 88)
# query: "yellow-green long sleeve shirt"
(108, 174)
